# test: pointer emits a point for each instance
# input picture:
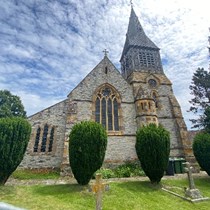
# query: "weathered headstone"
(98, 189)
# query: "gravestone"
(191, 192)
(98, 188)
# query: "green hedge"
(201, 150)
(14, 137)
(153, 148)
(87, 147)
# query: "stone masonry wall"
(120, 145)
(53, 116)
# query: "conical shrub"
(153, 148)
(14, 137)
(201, 150)
(87, 147)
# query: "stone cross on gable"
(105, 52)
(98, 189)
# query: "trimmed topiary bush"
(153, 148)
(14, 137)
(87, 147)
(201, 150)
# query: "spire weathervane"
(105, 52)
(131, 3)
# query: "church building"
(121, 101)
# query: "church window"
(97, 110)
(155, 98)
(44, 138)
(51, 139)
(38, 131)
(103, 107)
(152, 83)
(106, 70)
(47, 136)
(107, 109)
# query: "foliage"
(126, 170)
(87, 147)
(129, 195)
(153, 148)
(206, 119)
(200, 89)
(201, 150)
(26, 174)
(14, 137)
(10, 105)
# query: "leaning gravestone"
(192, 191)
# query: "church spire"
(139, 52)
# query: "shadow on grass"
(145, 186)
(61, 189)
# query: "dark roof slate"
(136, 36)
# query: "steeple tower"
(139, 54)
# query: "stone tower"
(155, 102)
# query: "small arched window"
(44, 138)
(36, 144)
(47, 136)
(155, 98)
(51, 139)
(107, 109)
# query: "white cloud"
(47, 47)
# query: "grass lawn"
(132, 195)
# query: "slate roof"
(136, 36)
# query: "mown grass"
(25, 174)
(132, 195)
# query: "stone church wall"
(120, 145)
(52, 116)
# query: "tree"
(200, 88)
(87, 147)
(201, 150)
(10, 105)
(14, 137)
(153, 148)
(206, 119)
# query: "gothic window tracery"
(36, 144)
(107, 109)
(47, 136)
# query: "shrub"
(201, 150)
(153, 148)
(14, 137)
(107, 173)
(129, 169)
(87, 147)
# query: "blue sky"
(49, 46)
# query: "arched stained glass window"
(107, 109)
(47, 137)
(97, 108)
(51, 139)
(116, 120)
(36, 144)
(110, 123)
(44, 138)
